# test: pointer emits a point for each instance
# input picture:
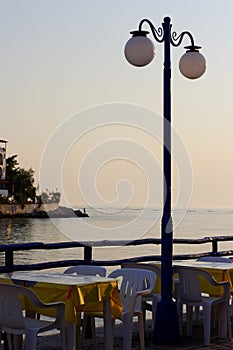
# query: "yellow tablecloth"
(79, 293)
(220, 271)
(219, 276)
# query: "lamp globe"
(192, 64)
(139, 50)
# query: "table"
(221, 271)
(79, 293)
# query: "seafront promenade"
(194, 342)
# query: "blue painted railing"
(88, 247)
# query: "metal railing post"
(215, 247)
(9, 260)
(87, 255)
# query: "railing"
(9, 250)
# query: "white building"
(3, 182)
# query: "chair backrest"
(132, 265)
(190, 280)
(150, 267)
(11, 314)
(87, 270)
(215, 258)
(189, 285)
(131, 282)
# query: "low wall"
(12, 209)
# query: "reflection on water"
(9, 228)
(19, 230)
(15, 230)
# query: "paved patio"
(52, 342)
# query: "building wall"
(2, 163)
(11, 209)
(3, 193)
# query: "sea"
(114, 224)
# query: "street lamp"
(139, 51)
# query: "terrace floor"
(52, 342)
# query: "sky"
(81, 116)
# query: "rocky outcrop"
(81, 214)
(37, 211)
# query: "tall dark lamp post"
(139, 51)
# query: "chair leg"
(141, 331)
(189, 319)
(144, 310)
(154, 308)
(197, 313)
(83, 331)
(214, 316)
(93, 332)
(224, 321)
(180, 314)
(229, 321)
(63, 339)
(31, 338)
(207, 323)
(127, 332)
(18, 340)
(9, 341)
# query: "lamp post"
(139, 51)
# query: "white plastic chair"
(152, 297)
(191, 296)
(87, 270)
(218, 259)
(215, 259)
(13, 319)
(133, 284)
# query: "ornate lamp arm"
(158, 34)
(175, 40)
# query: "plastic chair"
(87, 270)
(13, 319)
(219, 259)
(133, 284)
(153, 297)
(191, 296)
(215, 259)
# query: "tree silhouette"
(21, 181)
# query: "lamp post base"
(166, 330)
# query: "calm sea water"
(114, 224)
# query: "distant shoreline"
(51, 210)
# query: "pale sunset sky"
(65, 82)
